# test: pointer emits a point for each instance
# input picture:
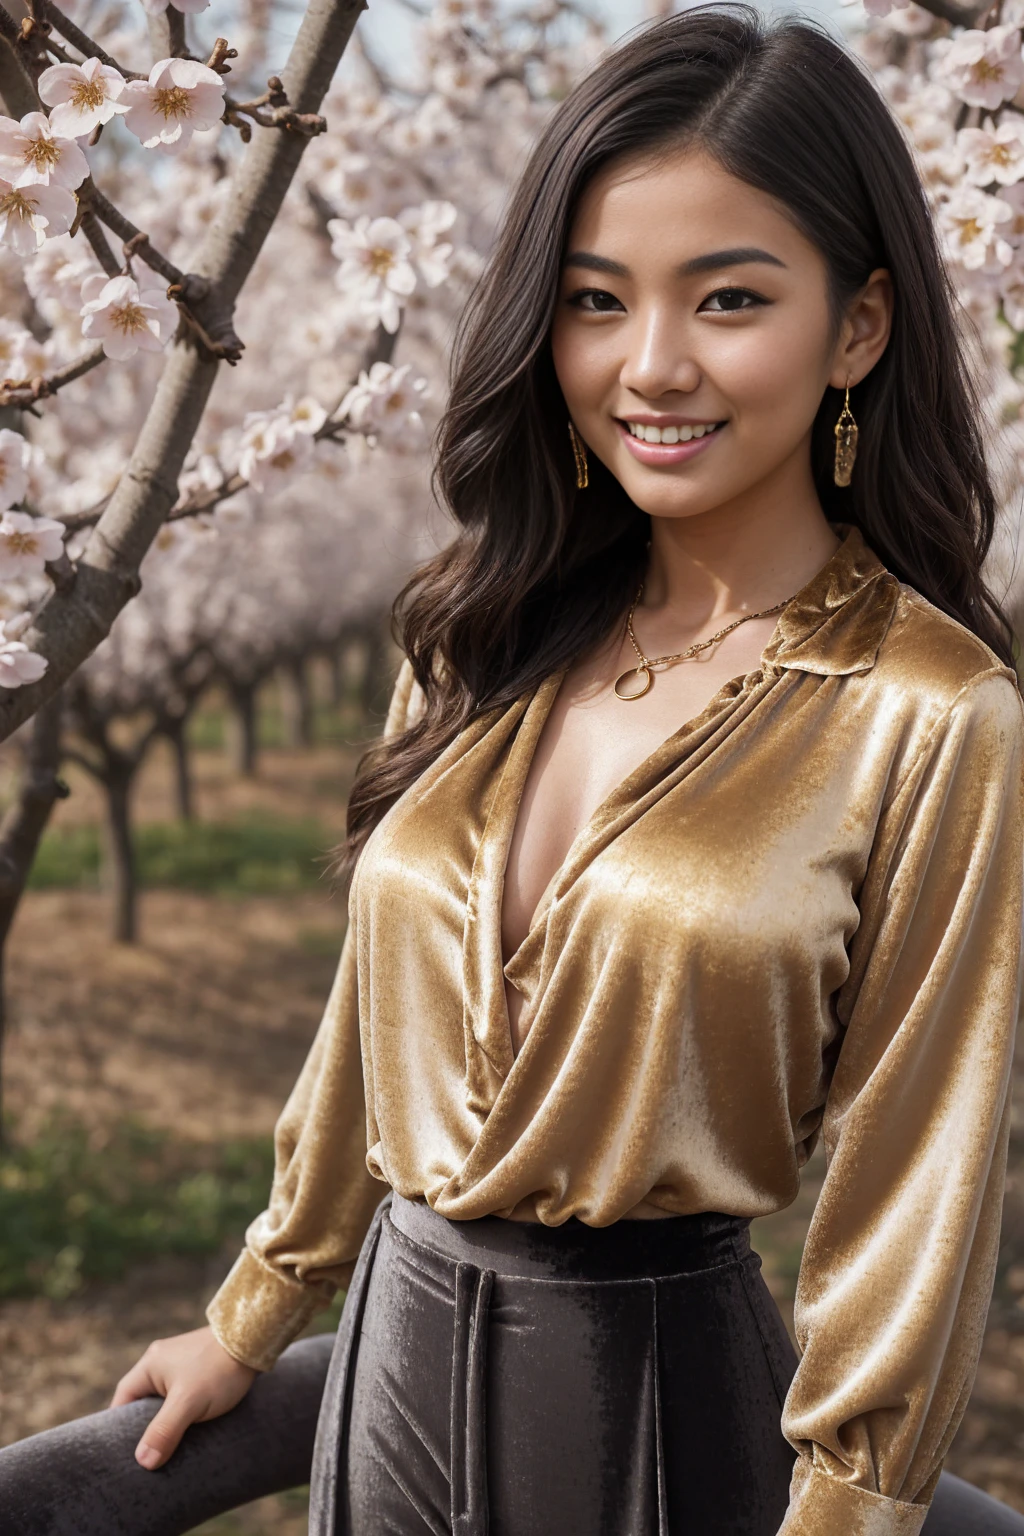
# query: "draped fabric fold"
(800, 916)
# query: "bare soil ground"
(201, 1029)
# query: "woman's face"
(690, 303)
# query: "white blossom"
(126, 316)
(30, 153)
(1011, 291)
(273, 450)
(984, 68)
(384, 402)
(375, 270)
(879, 7)
(18, 665)
(423, 225)
(27, 543)
(305, 415)
(993, 154)
(969, 220)
(14, 461)
(21, 356)
(82, 96)
(180, 96)
(29, 214)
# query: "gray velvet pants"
(81, 1479)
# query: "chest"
(590, 744)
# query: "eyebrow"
(713, 261)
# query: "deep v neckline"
(485, 971)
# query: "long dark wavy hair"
(538, 573)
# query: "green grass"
(258, 855)
(75, 1208)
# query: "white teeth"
(646, 434)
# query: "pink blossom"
(984, 68)
(375, 268)
(29, 214)
(14, 462)
(18, 665)
(27, 543)
(31, 153)
(82, 96)
(126, 316)
(179, 97)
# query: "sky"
(389, 31)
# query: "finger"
(164, 1433)
(136, 1383)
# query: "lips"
(661, 454)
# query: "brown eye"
(730, 300)
(595, 301)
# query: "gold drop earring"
(846, 442)
(579, 453)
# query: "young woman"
(697, 833)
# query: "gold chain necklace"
(645, 664)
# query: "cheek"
(584, 363)
(770, 372)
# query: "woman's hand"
(197, 1379)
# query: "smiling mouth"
(645, 434)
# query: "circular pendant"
(638, 673)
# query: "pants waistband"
(626, 1250)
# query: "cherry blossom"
(423, 225)
(31, 153)
(993, 155)
(384, 401)
(14, 461)
(82, 96)
(27, 543)
(180, 96)
(375, 269)
(18, 665)
(969, 220)
(125, 316)
(29, 214)
(305, 415)
(274, 449)
(985, 68)
(21, 356)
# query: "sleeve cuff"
(822, 1505)
(257, 1312)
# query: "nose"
(658, 360)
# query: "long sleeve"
(898, 1266)
(303, 1247)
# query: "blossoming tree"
(954, 75)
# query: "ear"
(864, 333)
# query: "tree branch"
(16, 89)
(72, 624)
(25, 393)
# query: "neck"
(742, 556)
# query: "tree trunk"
(296, 703)
(122, 877)
(242, 729)
(20, 832)
(379, 675)
(176, 732)
(336, 674)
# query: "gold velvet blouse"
(801, 915)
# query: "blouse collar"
(836, 622)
